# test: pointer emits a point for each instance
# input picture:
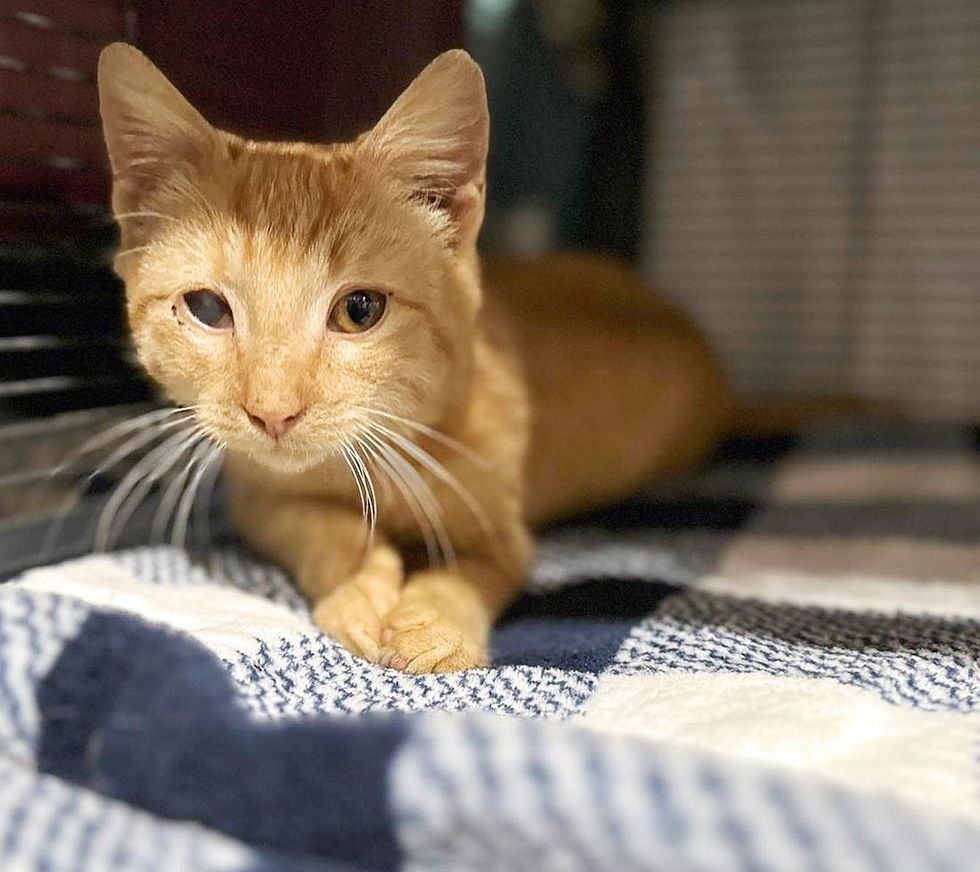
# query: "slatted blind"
(64, 363)
(814, 192)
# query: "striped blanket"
(774, 665)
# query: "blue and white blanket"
(772, 666)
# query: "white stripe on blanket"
(844, 734)
(228, 621)
(851, 591)
(61, 826)
(864, 479)
(884, 556)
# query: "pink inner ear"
(462, 205)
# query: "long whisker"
(110, 434)
(408, 496)
(139, 493)
(134, 444)
(203, 459)
(429, 505)
(153, 427)
(372, 496)
(171, 496)
(145, 468)
(436, 435)
(446, 477)
(210, 479)
(355, 472)
(361, 479)
(427, 500)
(164, 514)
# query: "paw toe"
(437, 646)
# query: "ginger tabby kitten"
(324, 310)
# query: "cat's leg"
(351, 583)
(443, 617)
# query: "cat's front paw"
(354, 612)
(418, 639)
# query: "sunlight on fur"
(391, 413)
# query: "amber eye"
(211, 309)
(357, 311)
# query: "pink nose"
(275, 422)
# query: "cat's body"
(622, 385)
(478, 401)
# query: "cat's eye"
(357, 311)
(211, 309)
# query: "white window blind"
(814, 193)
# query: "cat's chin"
(288, 463)
(280, 460)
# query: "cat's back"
(623, 385)
(569, 287)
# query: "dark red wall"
(299, 69)
(314, 69)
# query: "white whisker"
(446, 477)
(144, 468)
(432, 433)
(168, 502)
(372, 496)
(408, 496)
(427, 500)
(203, 459)
(347, 453)
(110, 434)
(153, 427)
(134, 444)
(361, 479)
(214, 464)
(140, 491)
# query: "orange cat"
(394, 415)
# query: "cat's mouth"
(292, 459)
(288, 456)
(296, 452)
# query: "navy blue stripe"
(907, 438)
(149, 717)
(941, 520)
(575, 628)
(686, 514)
(757, 449)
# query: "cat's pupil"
(360, 308)
(357, 311)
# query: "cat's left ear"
(434, 138)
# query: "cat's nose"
(275, 422)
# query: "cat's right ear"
(152, 133)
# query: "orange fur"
(535, 389)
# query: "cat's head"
(283, 288)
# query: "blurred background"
(803, 175)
